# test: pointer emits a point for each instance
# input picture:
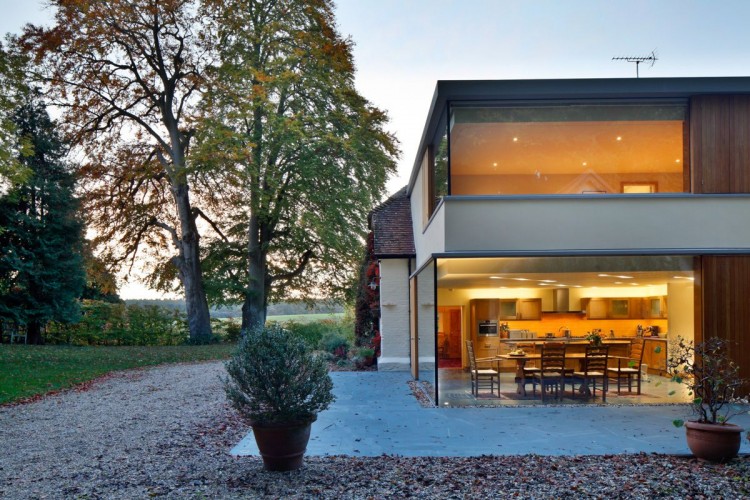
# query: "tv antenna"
(638, 60)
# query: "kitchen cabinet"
(486, 347)
(529, 309)
(508, 309)
(614, 308)
(484, 310)
(619, 308)
(597, 308)
(504, 309)
(655, 307)
(655, 355)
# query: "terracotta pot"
(713, 442)
(282, 447)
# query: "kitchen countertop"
(578, 340)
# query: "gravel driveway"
(167, 431)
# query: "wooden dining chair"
(594, 368)
(529, 369)
(551, 374)
(481, 377)
(629, 368)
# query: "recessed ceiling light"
(619, 138)
(515, 139)
(634, 284)
(495, 278)
(541, 283)
(494, 164)
(584, 164)
(603, 275)
(677, 160)
(521, 279)
(618, 282)
(547, 281)
(624, 277)
(578, 286)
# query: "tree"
(305, 155)
(12, 91)
(101, 284)
(127, 75)
(41, 266)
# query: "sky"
(403, 47)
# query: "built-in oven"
(487, 328)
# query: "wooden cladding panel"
(725, 287)
(739, 145)
(709, 156)
(720, 144)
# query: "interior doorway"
(449, 336)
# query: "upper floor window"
(567, 149)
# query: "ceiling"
(567, 272)
(553, 148)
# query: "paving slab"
(375, 413)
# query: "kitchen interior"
(507, 304)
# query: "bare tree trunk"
(256, 300)
(189, 265)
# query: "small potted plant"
(279, 386)
(595, 338)
(714, 383)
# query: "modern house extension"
(562, 207)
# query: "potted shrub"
(714, 384)
(279, 386)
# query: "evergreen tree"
(41, 264)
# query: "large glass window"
(503, 304)
(567, 149)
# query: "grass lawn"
(27, 370)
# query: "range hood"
(561, 301)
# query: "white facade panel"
(621, 223)
(429, 239)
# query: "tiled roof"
(390, 223)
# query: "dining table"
(522, 359)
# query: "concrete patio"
(375, 413)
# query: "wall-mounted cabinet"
(484, 310)
(529, 309)
(505, 310)
(613, 308)
(655, 307)
(596, 308)
(508, 309)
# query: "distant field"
(298, 318)
(304, 318)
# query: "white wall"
(394, 315)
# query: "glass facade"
(561, 149)
(529, 299)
